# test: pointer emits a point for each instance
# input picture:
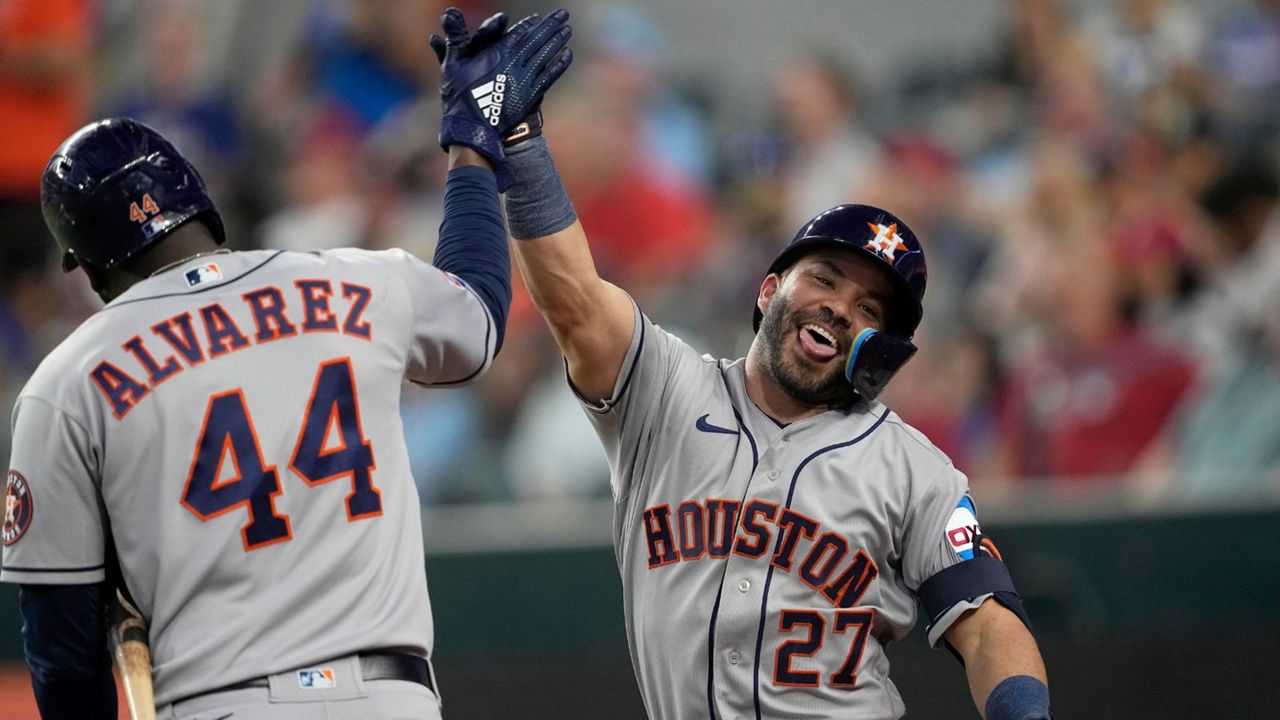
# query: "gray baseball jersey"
(233, 424)
(765, 568)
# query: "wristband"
(536, 202)
(1020, 697)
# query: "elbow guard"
(961, 587)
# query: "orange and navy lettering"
(316, 314)
(355, 324)
(122, 388)
(267, 305)
(224, 336)
(228, 433)
(710, 528)
(119, 387)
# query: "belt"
(373, 666)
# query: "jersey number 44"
(333, 410)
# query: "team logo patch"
(202, 274)
(17, 507)
(962, 528)
(886, 242)
(316, 679)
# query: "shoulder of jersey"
(55, 377)
(900, 430)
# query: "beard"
(813, 386)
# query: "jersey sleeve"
(950, 564)
(452, 336)
(54, 528)
(625, 420)
(927, 547)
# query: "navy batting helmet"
(892, 247)
(116, 187)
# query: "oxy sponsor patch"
(962, 528)
(316, 678)
(17, 507)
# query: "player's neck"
(189, 241)
(769, 396)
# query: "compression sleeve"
(473, 240)
(64, 635)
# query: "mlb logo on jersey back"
(316, 679)
(963, 528)
(202, 274)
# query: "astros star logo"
(886, 242)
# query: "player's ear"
(768, 288)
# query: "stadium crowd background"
(1095, 184)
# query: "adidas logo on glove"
(489, 97)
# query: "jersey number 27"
(332, 412)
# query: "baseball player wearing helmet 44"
(224, 436)
(775, 525)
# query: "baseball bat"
(132, 656)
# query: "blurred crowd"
(1098, 200)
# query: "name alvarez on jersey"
(716, 529)
(273, 319)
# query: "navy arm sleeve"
(64, 634)
(473, 240)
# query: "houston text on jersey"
(716, 529)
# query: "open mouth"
(818, 342)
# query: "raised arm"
(592, 320)
(492, 87)
(490, 81)
(1006, 674)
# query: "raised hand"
(493, 80)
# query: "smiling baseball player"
(228, 426)
(775, 526)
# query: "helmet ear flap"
(874, 359)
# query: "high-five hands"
(492, 81)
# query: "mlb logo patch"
(202, 274)
(316, 679)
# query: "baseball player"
(775, 526)
(223, 438)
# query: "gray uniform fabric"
(152, 435)
(765, 568)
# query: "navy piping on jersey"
(715, 609)
(206, 288)
(88, 568)
(635, 360)
(768, 580)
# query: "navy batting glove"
(494, 80)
